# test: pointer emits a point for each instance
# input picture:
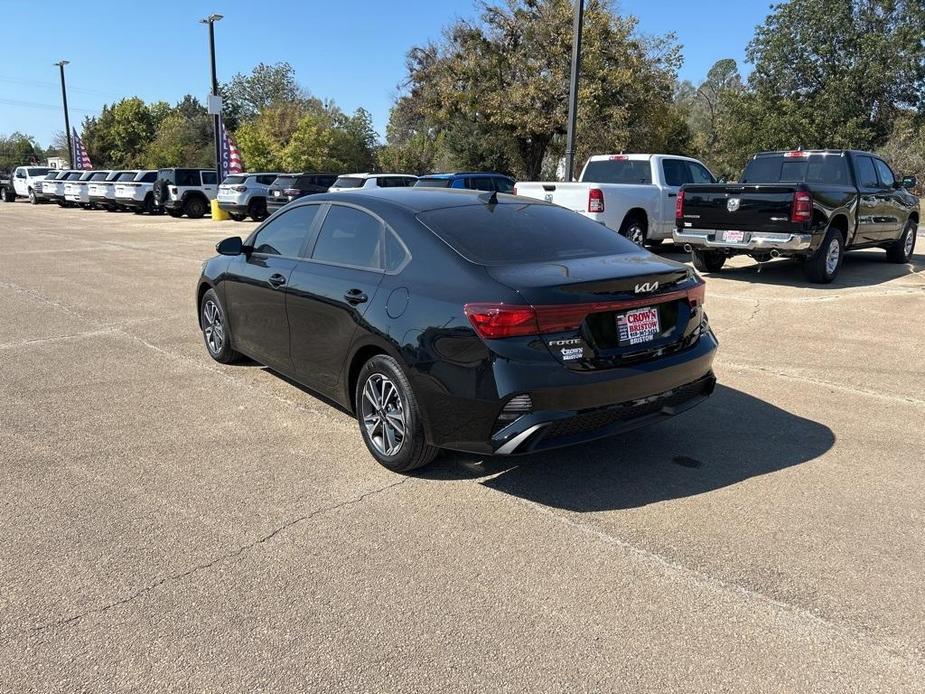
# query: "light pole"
(67, 120)
(573, 90)
(216, 118)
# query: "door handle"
(276, 280)
(672, 195)
(355, 296)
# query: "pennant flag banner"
(231, 156)
(81, 158)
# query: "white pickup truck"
(633, 194)
(25, 181)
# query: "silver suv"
(245, 195)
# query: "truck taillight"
(802, 208)
(595, 200)
(679, 206)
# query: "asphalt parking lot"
(170, 524)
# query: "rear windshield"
(283, 181)
(52, 176)
(101, 176)
(232, 180)
(147, 177)
(812, 168)
(618, 171)
(127, 176)
(348, 182)
(37, 172)
(433, 183)
(74, 176)
(507, 234)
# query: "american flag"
(81, 158)
(231, 156)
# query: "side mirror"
(909, 182)
(230, 246)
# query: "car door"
(331, 290)
(255, 287)
(870, 200)
(19, 181)
(210, 184)
(892, 209)
(675, 173)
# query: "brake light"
(291, 191)
(238, 189)
(495, 321)
(679, 205)
(618, 157)
(595, 200)
(514, 192)
(796, 153)
(801, 210)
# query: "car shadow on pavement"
(859, 269)
(728, 439)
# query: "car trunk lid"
(760, 207)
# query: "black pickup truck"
(808, 204)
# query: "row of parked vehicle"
(189, 192)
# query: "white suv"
(245, 195)
(102, 191)
(134, 191)
(78, 192)
(25, 180)
(368, 180)
(185, 191)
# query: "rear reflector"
(801, 209)
(679, 205)
(495, 321)
(595, 200)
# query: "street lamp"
(211, 20)
(573, 90)
(67, 120)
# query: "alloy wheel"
(832, 256)
(212, 327)
(636, 234)
(383, 414)
(910, 242)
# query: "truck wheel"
(634, 229)
(194, 207)
(257, 210)
(32, 199)
(8, 195)
(708, 261)
(823, 265)
(900, 251)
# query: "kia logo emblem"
(732, 204)
(646, 287)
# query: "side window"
(459, 183)
(480, 183)
(395, 252)
(504, 185)
(887, 179)
(699, 173)
(209, 178)
(20, 173)
(349, 237)
(867, 175)
(285, 234)
(676, 172)
(149, 177)
(265, 180)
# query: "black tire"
(823, 265)
(257, 209)
(218, 342)
(32, 199)
(160, 192)
(654, 243)
(176, 214)
(194, 207)
(8, 195)
(409, 451)
(149, 204)
(900, 251)
(708, 261)
(237, 217)
(634, 228)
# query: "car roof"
(415, 200)
(375, 175)
(453, 174)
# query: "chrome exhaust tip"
(775, 253)
(687, 248)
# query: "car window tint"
(285, 234)
(395, 252)
(627, 171)
(480, 183)
(511, 233)
(349, 237)
(209, 178)
(265, 180)
(677, 172)
(433, 183)
(867, 174)
(699, 173)
(886, 176)
(504, 185)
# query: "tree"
(120, 135)
(184, 137)
(18, 149)
(245, 96)
(497, 88)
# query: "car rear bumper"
(755, 241)
(102, 200)
(233, 207)
(130, 202)
(570, 407)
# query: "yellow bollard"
(218, 214)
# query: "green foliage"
(184, 137)
(246, 96)
(120, 135)
(18, 149)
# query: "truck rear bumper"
(753, 241)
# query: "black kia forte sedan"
(452, 319)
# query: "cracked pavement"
(170, 524)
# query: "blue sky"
(354, 56)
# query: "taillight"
(679, 206)
(797, 153)
(493, 321)
(514, 192)
(802, 208)
(291, 191)
(595, 200)
(238, 189)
